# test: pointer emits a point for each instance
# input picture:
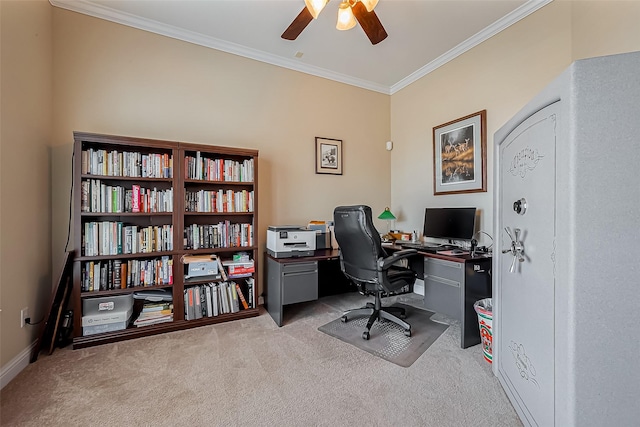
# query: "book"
(185, 300)
(123, 275)
(250, 292)
(152, 307)
(197, 302)
(238, 268)
(214, 298)
(242, 299)
(233, 298)
(221, 269)
(208, 298)
(154, 314)
(190, 305)
(153, 320)
(91, 275)
(203, 301)
(135, 198)
(224, 297)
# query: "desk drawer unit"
(299, 282)
(443, 284)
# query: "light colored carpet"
(387, 339)
(252, 373)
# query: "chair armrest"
(385, 263)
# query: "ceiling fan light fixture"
(315, 6)
(346, 20)
(369, 4)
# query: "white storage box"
(107, 317)
(107, 310)
(107, 327)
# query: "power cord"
(27, 321)
(484, 248)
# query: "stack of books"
(153, 313)
(237, 268)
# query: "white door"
(525, 287)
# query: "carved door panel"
(525, 282)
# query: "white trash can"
(484, 309)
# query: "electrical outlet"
(24, 313)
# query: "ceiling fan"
(348, 12)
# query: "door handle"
(516, 249)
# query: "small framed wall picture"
(329, 156)
(460, 155)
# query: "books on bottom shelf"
(214, 299)
(153, 313)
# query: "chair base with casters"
(376, 311)
(364, 261)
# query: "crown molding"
(109, 14)
(490, 31)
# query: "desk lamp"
(387, 216)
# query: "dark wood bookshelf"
(178, 219)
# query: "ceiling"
(423, 34)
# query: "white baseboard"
(16, 365)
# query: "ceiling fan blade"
(369, 22)
(300, 23)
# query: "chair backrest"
(359, 241)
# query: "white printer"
(286, 241)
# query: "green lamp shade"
(386, 214)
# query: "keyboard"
(425, 247)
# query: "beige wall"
(113, 79)
(605, 28)
(25, 211)
(500, 75)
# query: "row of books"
(207, 169)
(128, 164)
(214, 299)
(153, 313)
(100, 197)
(219, 201)
(120, 274)
(222, 235)
(116, 238)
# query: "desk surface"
(455, 258)
(318, 255)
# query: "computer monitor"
(449, 223)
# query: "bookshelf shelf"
(163, 176)
(92, 294)
(125, 214)
(124, 178)
(219, 183)
(126, 256)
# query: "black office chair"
(365, 262)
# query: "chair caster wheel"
(407, 332)
(344, 319)
(365, 335)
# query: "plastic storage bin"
(484, 309)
